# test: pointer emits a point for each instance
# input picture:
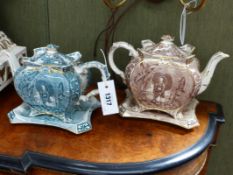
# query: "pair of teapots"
(52, 86)
(163, 80)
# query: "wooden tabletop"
(112, 140)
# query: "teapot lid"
(167, 49)
(49, 55)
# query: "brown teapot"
(163, 77)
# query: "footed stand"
(78, 123)
(129, 108)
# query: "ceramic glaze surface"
(163, 77)
(48, 82)
(48, 90)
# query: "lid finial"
(52, 48)
(167, 38)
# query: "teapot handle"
(103, 70)
(132, 52)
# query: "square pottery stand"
(18, 51)
(79, 121)
(129, 108)
(115, 145)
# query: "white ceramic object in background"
(18, 51)
(163, 81)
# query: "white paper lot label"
(108, 97)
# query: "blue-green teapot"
(52, 86)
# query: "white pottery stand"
(130, 109)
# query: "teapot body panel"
(162, 85)
(47, 90)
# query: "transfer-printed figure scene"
(166, 87)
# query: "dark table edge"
(33, 159)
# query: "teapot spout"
(12, 60)
(208, 72)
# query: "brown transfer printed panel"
(162, 86)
